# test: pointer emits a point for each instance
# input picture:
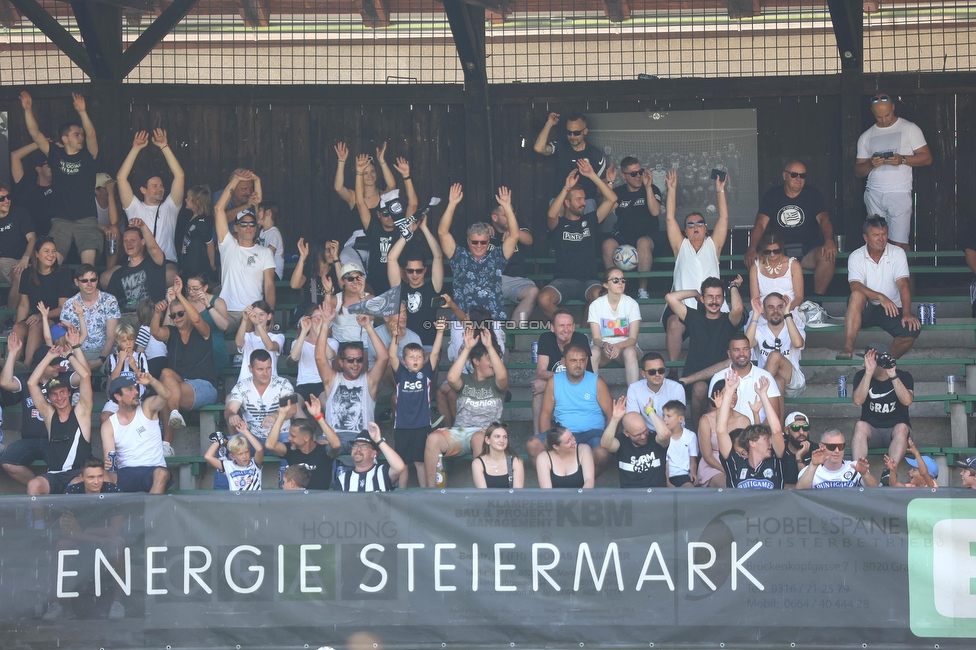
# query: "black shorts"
(668, 313)
(307, 390)
(660, 238)
(875, 316)
(139, 479)
(409, 444)
(58, 481)
(24, 452)
(679, 480)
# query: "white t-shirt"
(880, 276)
(766, 343)
(256, 407)
(680, 452)
(242, 478)
(139, 443)
(253, 342)
(161, 221)
(903, 138)
(747, 390)
(272, 237)
(154, 348)
(615, 324)
(102, 214)
(308, 372)
(846, 476)
(638, 393)
(242, 273)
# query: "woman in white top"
(614, 320)
(353, 283)
(308, 382)
(774, 271)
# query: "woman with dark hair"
(213, 310)
(565, 464)
(498, 466)
(316, 271)
(773, 271)
(615, 320)
(710, 471)
(48, 282)
(195, 246)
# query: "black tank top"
(491, 480)
(67, 448)
(574, 480)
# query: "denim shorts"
(204, 392)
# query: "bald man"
(641, 457)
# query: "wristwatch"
(904, 160)
(380, 442)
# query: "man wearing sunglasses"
(576, 148)
(886, 153)
(799, 212)
(638, 207)
(798, 446)
(828, 469)
(17, 240)
(653, 389)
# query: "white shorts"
(458, 439)
(896, 208)
(797, 385)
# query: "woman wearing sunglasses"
(774, 271)
(614, 320)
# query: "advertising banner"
(492, 568)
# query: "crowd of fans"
(185, 271)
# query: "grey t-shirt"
(479, 403)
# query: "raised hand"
(504, 196)
(456, 194)
(487, 338)
(611, 175)
(140, 140)
(161, 306)
(671, 179)
(440, 324)
(313, 406)
(584, 166)
(762, 386)
(362, 161)
(305, 323)
(552, 120)
(470, 338)
(159, 138)
(14, 344)
(619, 408)
(817, 457)
(41, 307)
(862, 466)
(143, 378)
(71, 334)
(26, 102)
(374, 431)
(364, 321)
(342, 151)
(302, 248)
(177, 284)
(731, 380)
(402, 166)
(381, 151)
(78, 101)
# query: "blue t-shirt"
(478, 283)
(413, 397)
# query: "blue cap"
(932, 466)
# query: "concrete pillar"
(959, 424)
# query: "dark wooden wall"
(286, 134)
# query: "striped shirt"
(375, 479)
(242, 478)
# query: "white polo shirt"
(880, 276)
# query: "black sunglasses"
(772, 251)
(799, 427)
(797, 174)
(177, 314)
(618, 280)
(656, 371)
(833, 446)
(414, 271)
(577, 133)
(880, 98)
(635, 174)
(4, 197)
(88, 280)
(353, 359)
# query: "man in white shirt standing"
(886, 153)
(157, 212)
(653, 389)
(880, 294)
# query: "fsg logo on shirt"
(942, 567)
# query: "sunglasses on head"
(833, 446)
(618, 280)
(656, 371)
(797, 174)
(177, 314)
(576, 133)
(880, 98)
(772, 251)
(635, 174)
(799, 427)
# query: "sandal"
(844, 355)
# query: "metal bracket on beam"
(848, 22)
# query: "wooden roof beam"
(617, 10)
(375, 13)
(9, 16)
(256, 13)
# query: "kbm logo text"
(942, 567)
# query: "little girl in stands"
(255, 333)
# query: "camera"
(885, 361)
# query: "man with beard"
(828, 469)
(709, 332)
(641, 458)
(740, 355)
(762, 465)
(420, 297)
(366, 475)
(578, 400)
(552, 344)
(133, 434)
(303, 448)
(798, 446)
(516, 286)
(777, 343)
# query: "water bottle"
(535, 352)
(440, 477)
(113, 459)
(113, 244)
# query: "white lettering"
(438, 567)
(699, 569)
(652, 552)
(612, 553)
(193, 572)
(474, 567)
(375, 567)
(256, 568)
(304, 568)
(541, 569)
(499, 567)
(125, 584)
(62, 574)
(410, 549)
(737, 566)
(151, 571)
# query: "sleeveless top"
(691, 267)
(782, 284)
(221, 356)
(574, 480)
(138, 443)
(576, 407)
(67, 449)
(493, 481)
(349, 405)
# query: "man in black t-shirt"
(709, 333)
(143, 276)
(73, 177)
(884, 394)
(516, 287)
(302, 447)
(17, 239)
(550, 356)
(575, 149)
(799, 212)
(35, 191)
(638, 207)
(420, 297)
(641, 458)
(574, 274)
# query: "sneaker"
(168, 449)
(117, 610)
(642, 294)
(54, 612)
(440, 418)
(218, 437)
(176, 419)
(885, 477)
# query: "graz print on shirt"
(134, 287)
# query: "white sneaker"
(642, 294)
(117, 610)
(176, 419)
(54, 612)
(168, 449)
